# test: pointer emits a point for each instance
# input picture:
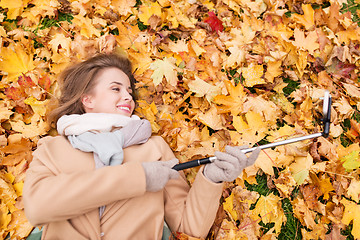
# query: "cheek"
(133, 105)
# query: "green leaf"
(351, 161)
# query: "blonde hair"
(79, 79)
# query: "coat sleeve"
(54, 196)
(190, 210)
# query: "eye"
(116, 89)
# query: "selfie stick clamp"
(325, 133)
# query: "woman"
(105, 176)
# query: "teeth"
(124, 108)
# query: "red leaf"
(214, 22)
(341, 69)
(26, 82)
(15, 93)
(45, 82)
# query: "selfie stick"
(325, 133)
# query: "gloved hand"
(159, 173)
(229, 164)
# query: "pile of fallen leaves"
(210, 73)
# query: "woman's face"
(112, 94)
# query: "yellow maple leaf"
(39, 107)
(256, 122)
(265, 161)
(202, 88)
(253, 75)
(164, 68)
(300, 168)
(211, 118)
(5, 216)
(41, 8)
(5, 113)
(196, 48)
(37, 127)
(127, 34)
(15, 7)
(179, 46)
(307, 20)
(229, 207)
(177, 17)
(281, 134)
(124, 7)
(348, 35)
(269, 110)
(268, 209)
(351, 213)
(86, 26)
(60, 43)
(15, 60)
(148, 111)
(240, 125)
(310, 42)
(146, 11)
(8, 195)
(237, 56)
(301, 62)
(354, 190)
(234, 101)
(187, 137)
(273, 70)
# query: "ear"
(87, 102)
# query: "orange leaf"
(234, 101)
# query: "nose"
(127, 96)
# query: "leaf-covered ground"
(210, 73)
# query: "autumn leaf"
(268, 209)
(300, 168)
(202, 88)
(307, 19)
(164, 68)
(15, 8)
(211, 118)
(310, 42)
(214, 22)
(351, 214)
(234, 101)
(146, 11)
(15, 60)
(351, 161)
(253, 75)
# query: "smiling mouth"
(127, 109)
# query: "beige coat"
(63, 192)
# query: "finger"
(224, 156)
(170, 163)
(236, 152)
(225, 160)
(173, 174)
(254, 155)
(242, 147)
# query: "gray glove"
(159, 173)
(229, 164)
